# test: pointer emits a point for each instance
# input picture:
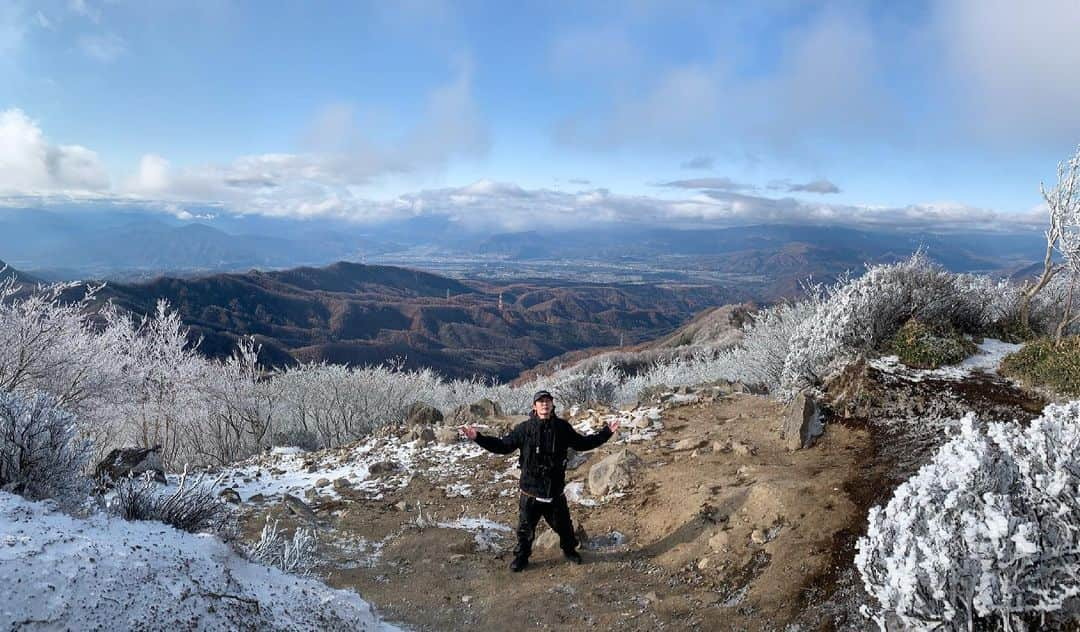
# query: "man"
(543, 439)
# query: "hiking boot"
(573, 556)
(519, 564)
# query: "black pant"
(557, 515)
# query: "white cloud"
(104, 47)
(29, 164)
(1012, 67)
(823, 84)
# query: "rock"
(322, 482)
(401, 505)
(640, 422)
(423, 414)
(311, 493)
(382, 467)
(124, 462)
(456, 557)
(229, 495)
(689, 443)
(759, 537)
(299, 509)
(720, 542)
(549, 540)
(466, 414)
(614, 473)
(802, 422)
(341, 484)
(742, 448)
(423, 434)
(719, 446)
(704, 563)
(256, 498)
(466, 598)
(665, 397)
(575, 459)
(684, 390)
(546, 541)
(447, 435)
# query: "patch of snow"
(575, 493)
(458, 490)
(987, 359)
(991, 352)
(106, 573)
(283, 450)
(486, 533)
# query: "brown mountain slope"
(357, 314)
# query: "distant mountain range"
(766, 260)
(364, 314)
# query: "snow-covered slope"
(101, 573)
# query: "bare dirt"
(738, 534)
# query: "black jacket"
(543, 446)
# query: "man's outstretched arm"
(499, 445)
(583, 443)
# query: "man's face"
(543, 407)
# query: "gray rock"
(322, 482)
(802, 422)
(575, 459)
(447, 435)
(471, 413)
(423, 434)
(229, 495)
(299, 509)
(124, 462)
(256, 498)
(382, 467)
(614, 473)
(341, 484)
(422, 413)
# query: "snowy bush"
(859, 314)
(191, 507)
(41, 455)
(599, 384)
(988, 530)
(293, 555)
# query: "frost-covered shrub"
(598, 385)
(293, 555)
(987, 530)
(860, 314)
(41, 455)
(192, 506)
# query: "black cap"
(538, 395)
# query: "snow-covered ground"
(102, 573)
(292, 471)
(986, 360)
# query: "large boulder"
(422, 413)
(471, 413)
(614, 473)
(123, 462)
(802, 422)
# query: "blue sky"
(700, 112)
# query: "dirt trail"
(731, 538)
